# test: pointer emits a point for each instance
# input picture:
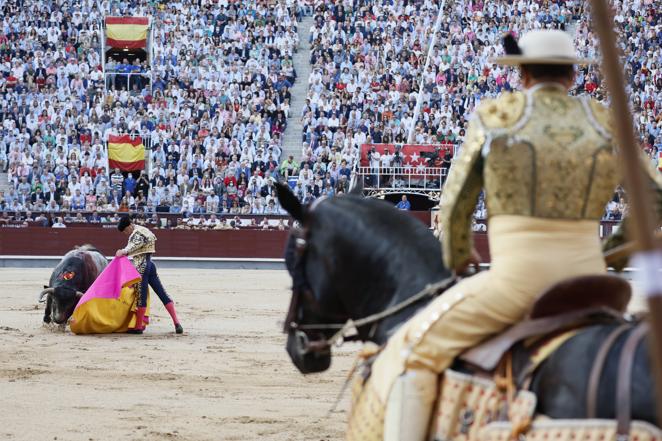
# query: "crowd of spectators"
(194, 222)
(213, 110)
(218, 98)
(639, 28)
(368, 59)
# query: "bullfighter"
(140, 247)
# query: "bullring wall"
(171, 243)
(229, 244)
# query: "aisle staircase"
(301, 59)
(4, 184)
(571, 28)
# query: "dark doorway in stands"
(120, 63)
(418, 202)
(118, 55)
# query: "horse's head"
(350, 257)
(313, 305)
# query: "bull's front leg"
(47, 312)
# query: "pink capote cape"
(109, 304)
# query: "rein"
(430, 291)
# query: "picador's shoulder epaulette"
(503, 111)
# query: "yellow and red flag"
(126, 152)
(126, 32)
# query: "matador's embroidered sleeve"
(460, 194)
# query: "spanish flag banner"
(126, 152)
(127, 32)
(109, 305)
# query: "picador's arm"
(619, 239)
(459, 198)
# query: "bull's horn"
(79, 294)
(44, 293)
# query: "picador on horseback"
(547, 164)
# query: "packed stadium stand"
(217, 102)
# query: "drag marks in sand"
(227, 378)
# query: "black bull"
(70, 279)
(361, 256)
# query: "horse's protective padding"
(468, 403)
(366, 417)
(545, 429)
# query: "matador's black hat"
(124, 222)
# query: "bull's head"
(62, 301)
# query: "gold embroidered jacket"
(538, 153)
(141, 241)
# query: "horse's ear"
(357, 189)
(288, 201)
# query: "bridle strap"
(299, 283)
(292, 310)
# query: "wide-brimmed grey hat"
(543, 47)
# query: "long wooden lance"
(648, 254)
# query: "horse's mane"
(370, 255)
(387, 236)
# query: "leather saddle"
(567, 304)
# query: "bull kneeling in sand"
(95, 296)
(75, 273)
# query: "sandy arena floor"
(227, 378)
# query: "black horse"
(355, 256)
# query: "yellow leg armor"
(410, 405)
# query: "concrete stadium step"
(301, 61)
(4, 184)
(572, 28)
